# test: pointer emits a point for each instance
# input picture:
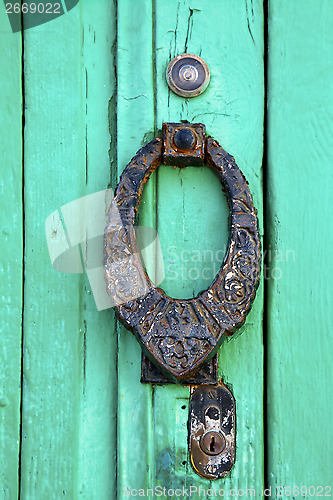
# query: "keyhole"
(212, 444)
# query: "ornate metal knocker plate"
(179, 335)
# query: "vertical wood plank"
(153, 427)
(68, 424)
(53, 324)
(300, 183)
(98, 408)
(11, 262)
(135, 125)
(229, 37)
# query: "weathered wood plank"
(135, 124)
(300, 183)
(11, 262)
(97, 434)
(68, 405)
(192, 212)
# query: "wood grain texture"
(89, 428)
(69, 408)
(135, 125)
(97, 434)
(152, 421)
(300, 183)
(11, 260)
(68, 422)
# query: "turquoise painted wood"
(148, 416)
(68, 392)
(299, 221)
(79, 96)
(196, 195)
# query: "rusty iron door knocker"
(180, 336)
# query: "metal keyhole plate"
(212, 431)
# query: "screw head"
(188, 75)
(184, 139)
(212, 443)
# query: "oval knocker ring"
(178, 335)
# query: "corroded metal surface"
(179, 335)
(207, 373)
(182, 156)
(212, 431)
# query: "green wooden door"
(80, 95)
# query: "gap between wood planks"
(265, 241)
(23, 263)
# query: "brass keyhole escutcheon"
(212, 431)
